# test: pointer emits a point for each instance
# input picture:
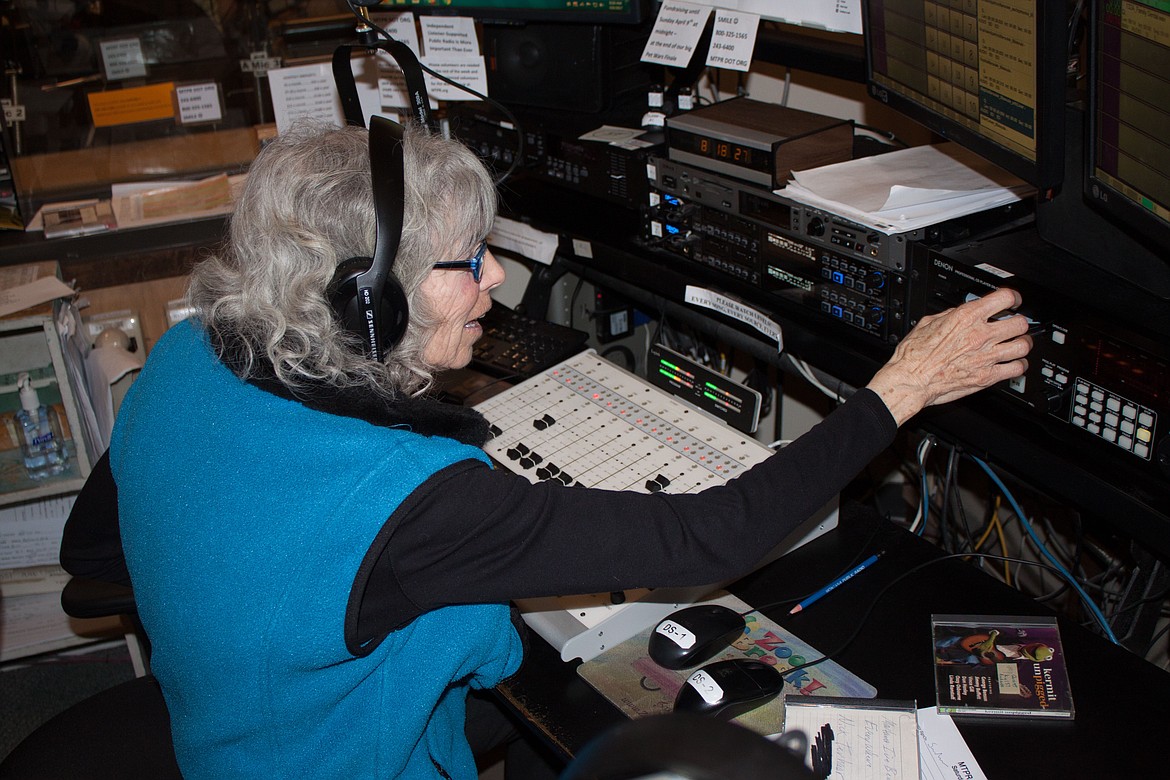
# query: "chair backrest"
(83, 597)
(91, 551)
(122, 732)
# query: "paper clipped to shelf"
(908, 189)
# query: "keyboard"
(515, 345)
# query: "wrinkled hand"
(953, 354)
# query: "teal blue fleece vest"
(245, 517)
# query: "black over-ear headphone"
(365, 295)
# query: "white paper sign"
(452, 49)
(123, 59)
(737, 311)
(199, 103)
(676, 33)
(525, 240)
(834, 15)
(310, 91)
(304, 91)
(400, 27)
(24, 296)
(733, 40)
(471, 73)
(449, 37)
(943, 754)
(392, 90)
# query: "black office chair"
(122, 732)
(684, 745)
(86, 598)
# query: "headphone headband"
(366, 297)
(387, 172)
(416, 87)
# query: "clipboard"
(855, 739)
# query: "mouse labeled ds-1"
(728, 689)
(693, 635)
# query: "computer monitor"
(1127, 160)
(517, 11)
(987, 75)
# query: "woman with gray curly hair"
(323, 556)
(308, 207)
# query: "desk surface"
(1121, 700)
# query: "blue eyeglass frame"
(473, 263)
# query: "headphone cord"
(364, 19)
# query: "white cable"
(806, 371)
(924, 448)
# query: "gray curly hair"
(308, 206)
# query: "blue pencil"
(870, 561)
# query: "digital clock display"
(720, 149)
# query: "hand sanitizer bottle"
(42, 442)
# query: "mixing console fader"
(588, 422)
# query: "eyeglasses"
(473, 263)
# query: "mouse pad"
(626, 676)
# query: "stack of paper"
(907, 189)
(31, 618)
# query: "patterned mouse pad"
(626, 676)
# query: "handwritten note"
(676, 33)
(26, 295)
(733, 40)
(856, 739)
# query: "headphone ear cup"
(391, 316)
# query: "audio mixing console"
(588, 422)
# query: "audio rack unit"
(800, 254)
(796, 255)
(757, 141)
(554, 153)
(1090, 376)
(588, 422)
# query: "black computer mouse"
(727, 689)
(694, 635)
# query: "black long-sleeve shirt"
(471, 534)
